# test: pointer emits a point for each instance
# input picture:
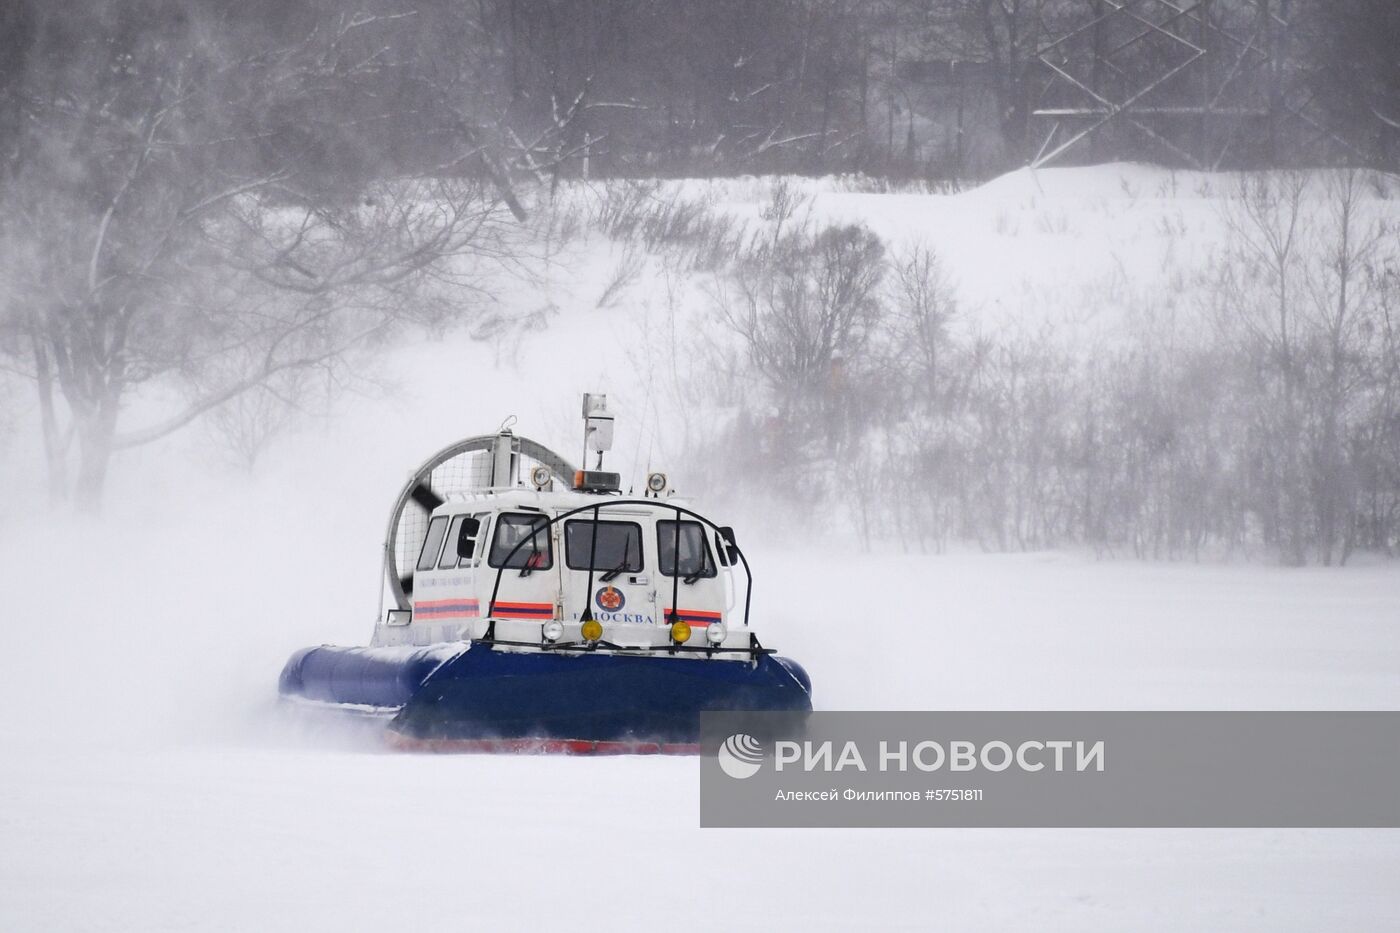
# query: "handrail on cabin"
(651, 503)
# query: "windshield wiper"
(704, 571)
(612, 574)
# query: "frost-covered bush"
(1274, 430)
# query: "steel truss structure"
(1195, 78)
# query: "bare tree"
(157, 227)
(1258, 299)
(1342, 311)
(923, 305)
(805, 306)
(1302, 306)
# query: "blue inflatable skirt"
(480, 698)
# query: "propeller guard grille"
(463, 467)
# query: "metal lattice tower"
(1194, 78)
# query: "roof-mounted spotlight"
(541, 478)
(656, 484)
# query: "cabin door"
(612, 551)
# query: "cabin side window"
(432, 543)
(511, 529)
(695, 559)
(461, 542)
(618, 548)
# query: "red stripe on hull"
(695, 616)
(433, 609)
(523, 610)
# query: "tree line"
(207, 203)
(923, 88)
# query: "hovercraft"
(538, 609)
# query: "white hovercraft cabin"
(532, 566)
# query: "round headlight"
(680, 631)
(553, 630)
(656, 482)
(715, 632)
(592, 630)
(540, 477)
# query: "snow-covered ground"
(147, 783)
